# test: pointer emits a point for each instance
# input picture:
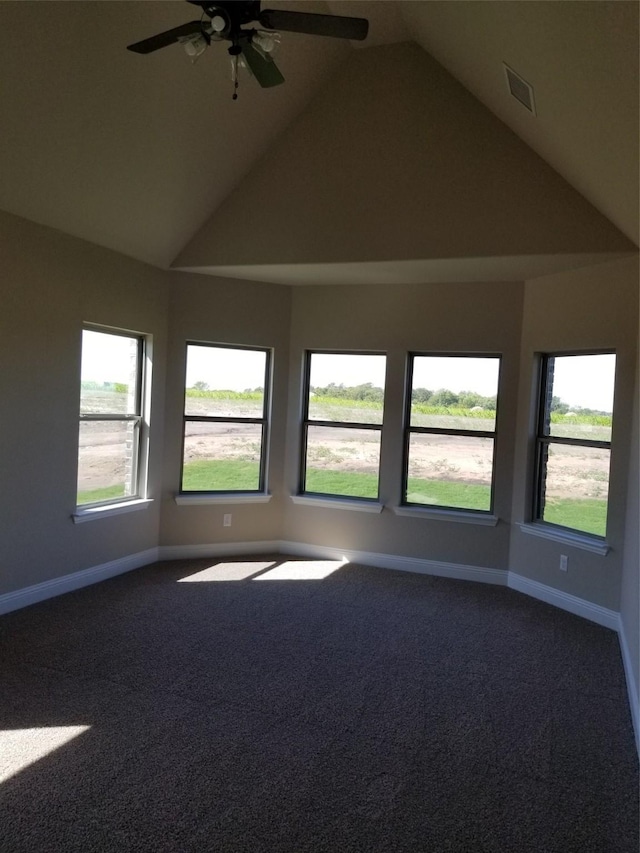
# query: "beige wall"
(447, 318)
(395, 160)
(50, 284)
(589, 308)
(230, 312)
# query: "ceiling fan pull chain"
(234, 60)
(234, 53)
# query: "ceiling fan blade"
(166, 38)
(263, 69)
(335, 26)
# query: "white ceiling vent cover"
(520, 89)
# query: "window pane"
(450, 470)
(347, 388)
(106, 460)
(455, 392)
(224, 382)
(109, 374)
(581, 396)
(221, 457)
(576, 487)
(343, 461)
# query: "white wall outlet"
(564, 562)
(226, 521)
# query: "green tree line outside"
(441, 398)
(205, 394)
(423, 401)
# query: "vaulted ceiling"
(142, 154)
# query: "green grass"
(430, 492)
(353, 484)
(221, 475)
(91, 496)
(475, 496)
(588, 515)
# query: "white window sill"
(338, 503)
(92, 513)
(222, 498)
(577, 540)
(459, 516)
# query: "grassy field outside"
(221, 475)
(339, 463)
(428, 492)
(89, 496)
(587, 515)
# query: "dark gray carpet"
(369, 711)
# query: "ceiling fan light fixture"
(218, 24)
(195, 47)
(266, 42)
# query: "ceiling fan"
(229, 20)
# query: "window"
(573, 445)
(343, 405)
(112, 431)
(450, 429)
(226, 406)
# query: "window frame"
(139, 457)
(543, 401)
(409, 430)
(307, 422)
(264, 421)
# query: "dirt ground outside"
(574, 472)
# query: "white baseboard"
(565, 601)
(217, 549)
(384, 561)
(67, 583)
(401, 564)
(632, 686)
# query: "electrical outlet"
(226, 521)
(564, 562)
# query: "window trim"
(536, 508)
(140, 445)
(434, 510)
(307, 422)
(264, 422)
(565, 535)
(96, 511)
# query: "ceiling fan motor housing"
(235, 13)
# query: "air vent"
(520, 89)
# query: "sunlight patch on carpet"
(19, 748)
(227, 572)
(303, 570)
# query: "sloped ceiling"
(137, 153)
(375, 170)
(582, 60)
(133, 152)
